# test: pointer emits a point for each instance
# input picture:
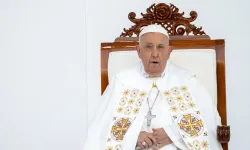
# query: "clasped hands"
(158, 138)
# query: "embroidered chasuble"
(180, 105)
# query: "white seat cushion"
(202, 62)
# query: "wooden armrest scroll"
(223, 134)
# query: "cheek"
(165, 56)
(145, 57)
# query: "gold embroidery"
(128, 110)
(126, 92)
(166, 93)
(175, 117)
(184, 88)
(131, 101)
(109, 148)
(175, 91)
(205, 133)
(142, 94)
(191, 105)
(123, 101)
(189, 145)
(129, 104)
(174, 109)
(179, 98)
(170, 100)
(154, 85)
(187, 97)
(190, 125)
(120, 128)
(196, 145)
(182, 106)
(134, 93)
(136, 110)
(139, 102)
(118, 147)
(119, 110)
(204, 144)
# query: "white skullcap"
(154, 28)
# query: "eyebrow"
(149, 43)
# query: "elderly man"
(155, 105)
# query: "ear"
(170, 49)
(138, 50)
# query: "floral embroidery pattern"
(204, 144)
(128, 107)
(119, 109)
(136, 110)
(128, 110)
(125, 93)
(123, 101)
(166, 93)
(130, 101)
(170, 100)
(118, 147)
(109, 148)
(180, 98)
(187, 116)
(196, 145)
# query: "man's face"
(154, 51)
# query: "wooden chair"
(184, 36)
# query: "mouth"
(154, 62)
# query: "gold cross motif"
(120, 128)
(190, 124)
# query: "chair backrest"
(202, 62)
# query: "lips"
(154, 62)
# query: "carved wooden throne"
(185, 38)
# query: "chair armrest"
(223, 134)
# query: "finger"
(165, 142)
(145, 145)
(154, 133)
(152, 138)
(140, 145)
(161, 129)
(163, 138)
(155, 130)
(149, 142)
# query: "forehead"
(154, 37)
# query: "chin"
(154, 72)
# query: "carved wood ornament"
(168, 17)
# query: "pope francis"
(154, 105)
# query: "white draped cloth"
(137, 78)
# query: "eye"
(148, 46)
(160, 46)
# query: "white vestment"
(135, 78)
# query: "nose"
(155, 52)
